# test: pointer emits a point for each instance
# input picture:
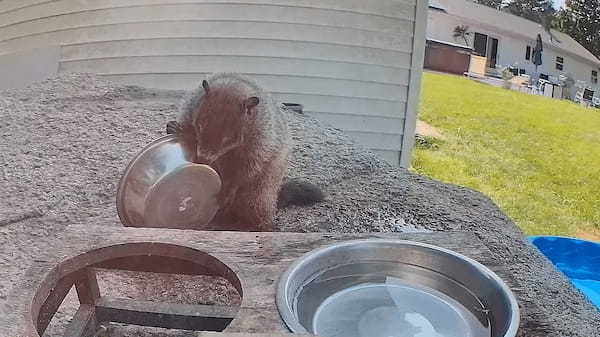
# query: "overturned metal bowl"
(394, 288)
(162, 187)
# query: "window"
(559, 63)
(480, 44)
(528, 53)
(522, 72)
(594, 77)
(544, 77)
(493, 57)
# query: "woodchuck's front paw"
(173, 128)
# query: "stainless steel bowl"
(393, 288)
(162, 187)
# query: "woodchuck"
(239, 130)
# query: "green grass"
(537, 158)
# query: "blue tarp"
(579, 260)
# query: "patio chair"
(537, 87)
(578, 96)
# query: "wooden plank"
(132, 331)
(261, 272)
(217, 334)
(87, 291)
(258, 320)
(53, 302)
(258, 259)
(165, 315)
(83, 323)
(87, 287)
(129, 330)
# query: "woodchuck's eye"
(251, 103)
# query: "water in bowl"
(380, 305)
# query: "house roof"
(456, 45)
(515, 25)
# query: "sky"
(559, 3)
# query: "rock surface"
(66, 141)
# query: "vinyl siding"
(350, 63)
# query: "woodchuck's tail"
(299, 193)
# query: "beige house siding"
(24, 67)
(350, 63)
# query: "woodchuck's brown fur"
(239, 130)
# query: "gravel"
(66, 141)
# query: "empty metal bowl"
(394, 288)
(163, 188)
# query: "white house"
(355, 64)
(508, 40)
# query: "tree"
(547, 18)
(462, 32)
(533, 10)
(491, 3)
(540, 11)
(581, 20)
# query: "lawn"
(537, 158)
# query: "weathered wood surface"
(164, 315)
(83, 323)
(256, 258)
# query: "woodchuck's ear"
(205, 86)
(251, 103)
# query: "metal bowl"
(393, 288)
(162, 187)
